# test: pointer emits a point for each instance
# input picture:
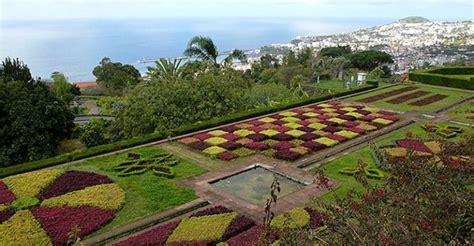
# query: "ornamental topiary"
(160, 165)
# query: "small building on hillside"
(88, 87)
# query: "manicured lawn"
(333, 85)
(145, 194)
(462, 112)
(453, 96)
(350, 160)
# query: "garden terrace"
(463, 112)
(419, 97)
(292, 134)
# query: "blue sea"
(75, 47)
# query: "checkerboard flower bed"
(58, 201)
(299, 126)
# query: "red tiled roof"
(82, 85)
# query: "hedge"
(185, 129)
(441, 76)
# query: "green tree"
(369, 59)
(94, 133)
(235, 54)
(290, 59)
(15, 70)
(297, 86)
(32, 119)
(165, 68)
(334, 52)
(203, 48)
(115, 77)
(62, 88)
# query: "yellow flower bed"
(23, 229)
(355, 114)
(317, 126)
(326, 141)
(288, 114)
(215, 140)
(328, 110)
(311, 114)
(382, 121)
(214, 150)
(270, 132)
(4, 207)
(217, 133)
(111, 197)
(295, 218)
(243, 132)
(292, 125)
(325, 105)
(295, 133)
(367, 127)
(396, 152)
(337, 120)
(349, 109)
(30, 184)
(347, 134)
(290, 119)
(434, 146)
(205, 228)
(267, 120)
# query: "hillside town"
(413, 42)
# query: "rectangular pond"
(253, 185)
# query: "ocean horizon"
(75, 47)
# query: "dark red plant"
(227, 156)
(283, 137)
(282, 145)
(287, 155)
(238, 225)
(211, 211)
(72, 181)
(6, 196)
(200, 145)
(203, 136)
(5, 215)
(257, 137)
(155, 236)
(313, 145)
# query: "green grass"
(347, 182)
(333, 85)
(145, 194)
(461, 112)
(453, 96)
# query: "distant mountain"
(413, 19)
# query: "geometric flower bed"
(42, 207)
(292, 134)
(387, 94)
(446, 132)
(416, 148)
(428, 100)
(222, 226)
(407, 97)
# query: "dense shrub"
(441, 76)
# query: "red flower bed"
(58, 222)
(72, 181)
(155, 236)
(257, 146)
(329, 123)
(279, 122)
(230, 136)
(282, 137)
(323, 117)
(301, 117)
(313, 145)
(350, 124)
(227, 156)
(230, 145)
(387, 94)
(304, 123)
(282, 145)
(287, 155)
(331, 129)
(404, 98)
(390, 117)
(316, 219)
(255, 122)
(414, 145)
(281, 129)
(367, 118)
(429, 100)
(357, 130)
(211, 211)
(238, 225)
(200, 145)
(230, 128)
(248, 238)
(347, 117)
(363, 112)
(203, 136)
(276, 116)
(5, 215)
(6, 196)
(256, 129)
(309, 136)
(257, 137)
(305, 129)
(337, 137)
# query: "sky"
(11, 10)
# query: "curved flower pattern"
(42, 207)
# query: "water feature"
(253, 185)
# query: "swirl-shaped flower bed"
(42, 207)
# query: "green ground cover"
(145, 194)
(463, 111)
(333, 85)
(348, 183)
(453, 96)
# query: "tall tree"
(202, 48)
(236, 54)
(62, 88)
(115, 77)
(32, 119)
(334, 52)
(165, 68)
(15, 70)
(370, 59)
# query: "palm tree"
(202, 48)
(165, 68)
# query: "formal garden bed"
(364, 155)
(463, 112)
(416, 97)
(292, 134)
(224, 227)
(150, 179)
(43, 207)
